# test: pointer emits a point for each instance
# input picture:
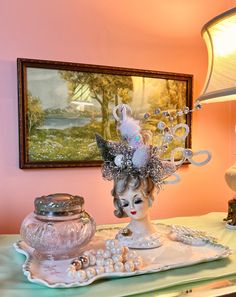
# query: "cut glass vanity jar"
(59, 227)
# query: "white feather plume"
(141, 156)
(130, 130)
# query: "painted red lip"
(133, 212)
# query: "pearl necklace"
(190, 236)
(114, 258)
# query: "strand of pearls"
(190, 236)
(114, 258)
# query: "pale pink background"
(145, 34)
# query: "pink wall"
(145, 34)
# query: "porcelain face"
(134, 204)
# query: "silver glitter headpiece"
(134, 156)
(119, 160)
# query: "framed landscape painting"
(62, 105)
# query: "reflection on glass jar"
(59, 227)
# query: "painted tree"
(172, 97)
(104, 88)
(35, 114)
(176, 91)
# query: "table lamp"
(220, 86)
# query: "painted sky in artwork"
(48, 85)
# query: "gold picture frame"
(62, 105)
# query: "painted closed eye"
(125, 204)
(138, 201)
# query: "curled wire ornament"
(177, 127)
(122, 108)
(187, 155)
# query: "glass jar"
(59, 227)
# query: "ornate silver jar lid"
(59, 204)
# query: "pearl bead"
(100, 269)
(100, 261)
(92, 259)
(85, 261)
(119, 159)
(119, 267)
(161, 125)
(82, 276)
(120, 250)
(168, 137)
(113, 250)
(86, 253)
(113, 243)
(91, 272)
(77, 264)
(129, 266)
(138, 262)
(187, 153)
(108, 262)
(108, 243)
(71, 271)
(117, 258)
(131, 255)
(107, 254)
(100, 252)
(92, 252)
(109, 268)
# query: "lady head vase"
(137, 168)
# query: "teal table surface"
(165, 283)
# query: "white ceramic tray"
(172, 254)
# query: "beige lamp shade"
(220, 37)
